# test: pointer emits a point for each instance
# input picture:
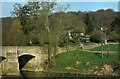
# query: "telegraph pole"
(102, 43)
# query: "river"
(43, 75)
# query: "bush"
(114, 36)
(96, 36)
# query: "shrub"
(96, 36)
(114, 36)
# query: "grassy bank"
(82, 62)
(112, 47)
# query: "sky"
(7, 7)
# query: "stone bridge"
(14, 59)
(31, 58)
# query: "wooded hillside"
(88, 23)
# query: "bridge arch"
(24, 59)
(2, 58)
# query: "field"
(85, 62)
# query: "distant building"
(105, 40)
(74, 35)
(85, 38)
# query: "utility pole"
(108, 52)
(102, 43)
